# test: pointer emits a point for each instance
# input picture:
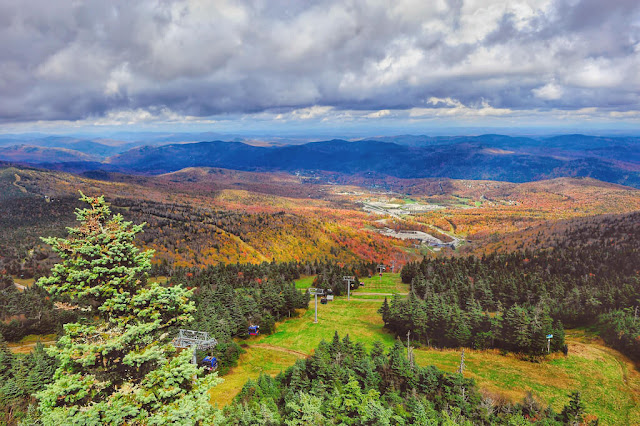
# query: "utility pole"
(316, 292)
(349, 280)
(635, 315)
(381, 268)
(461, 368)
(410, 356)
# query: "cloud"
(305, 61)
(452, 107)
(548, 92)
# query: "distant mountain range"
(491, 157)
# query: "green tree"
(117, 365)
(384, 311)
(573, 412)
(6, 358)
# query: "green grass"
(381, 297)
(609, 382)
(358, 319)
(251, 364)
(27, 282)
(389, 283)
(305, 282)
(27, 343)
(160, 279)
(299, 336)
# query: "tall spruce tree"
(117, 364)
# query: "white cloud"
(454, 108)
(548, 92)
(311, 112)
(379, 114)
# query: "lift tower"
(194, 340)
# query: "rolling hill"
(488, 157)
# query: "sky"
(399, 66)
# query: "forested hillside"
(512, 300)
(186, 228)
(495, 157)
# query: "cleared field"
(305, 282)
(609, 382)
(22, 283)
(298, 336)
(255, 361)
(388, 283)
(358, 319)
(160, 279)
(27, 343)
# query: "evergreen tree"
(573, 413)
(117, 365)
(6, 358)
(384, 311)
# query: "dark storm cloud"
(83, 60)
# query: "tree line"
(438, 322)
(511, 300)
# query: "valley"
(243, 235)
(207, 216)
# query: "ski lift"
(195, 340)
(254, 330)
(210, 363)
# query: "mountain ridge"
(491, 156)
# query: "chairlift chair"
(210, 363)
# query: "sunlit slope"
(197, 217)
(608, 381)
(194, 227)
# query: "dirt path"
(17, 185)
(359, 293)
(355, 299)
(25, 348)
(280, 349)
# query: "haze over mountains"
(492, 157)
